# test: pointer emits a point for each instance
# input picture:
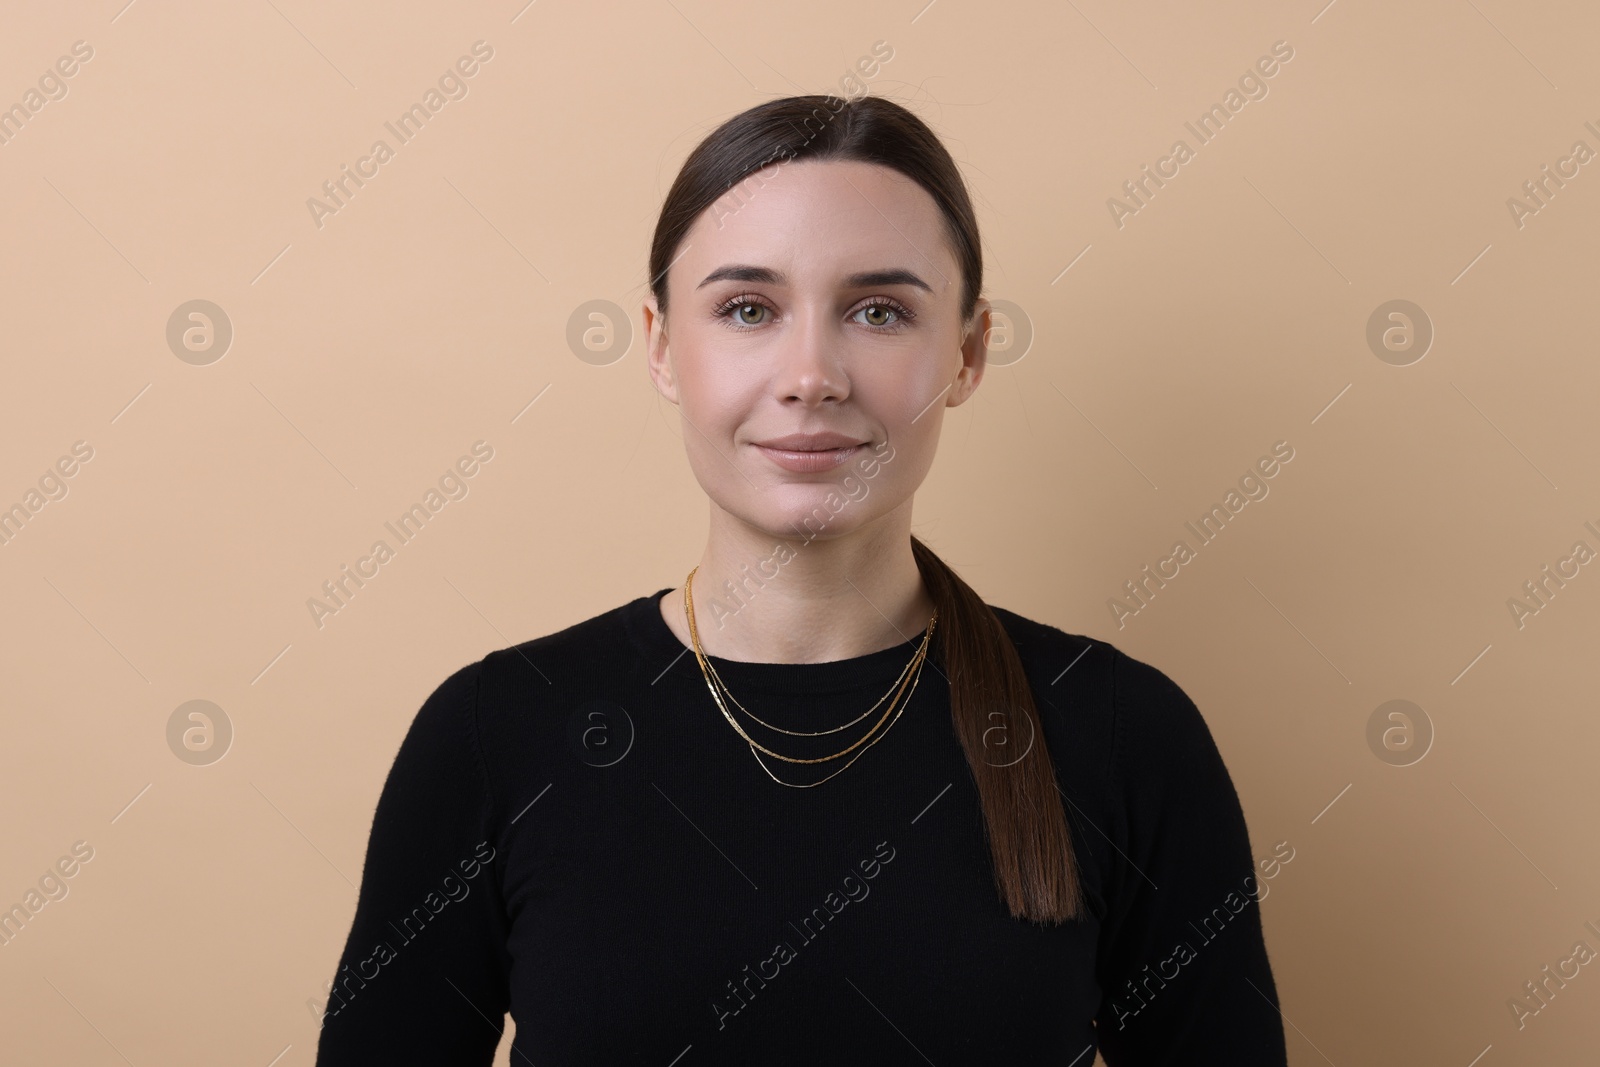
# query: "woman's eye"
(878, 314)
(738, 313)
(886, 316)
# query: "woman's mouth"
(808, 461)
(807, 453)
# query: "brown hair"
(1035, 869)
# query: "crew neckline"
(666, 653)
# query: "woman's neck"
(796, 601)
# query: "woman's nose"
(809, 364)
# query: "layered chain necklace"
(902, 689)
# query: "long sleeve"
(423, 977)
(1182, 962)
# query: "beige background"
(368, 354)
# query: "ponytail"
(1035, 870)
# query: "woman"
(822, 804)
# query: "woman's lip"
(809, 462)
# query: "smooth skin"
(805, 351)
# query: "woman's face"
(815, 298)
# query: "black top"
(572, 833)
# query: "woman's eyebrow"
(739, 272)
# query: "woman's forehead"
(818, 223)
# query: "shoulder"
(1135, 709)
(570, 654)
(474, 696)
(447, 710)
(1054, 653)
(1132, 746)
(528, 695)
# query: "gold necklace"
(728, 694)
(712, 676)
(913, 670)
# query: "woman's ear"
(658, 357)
(974, 354)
